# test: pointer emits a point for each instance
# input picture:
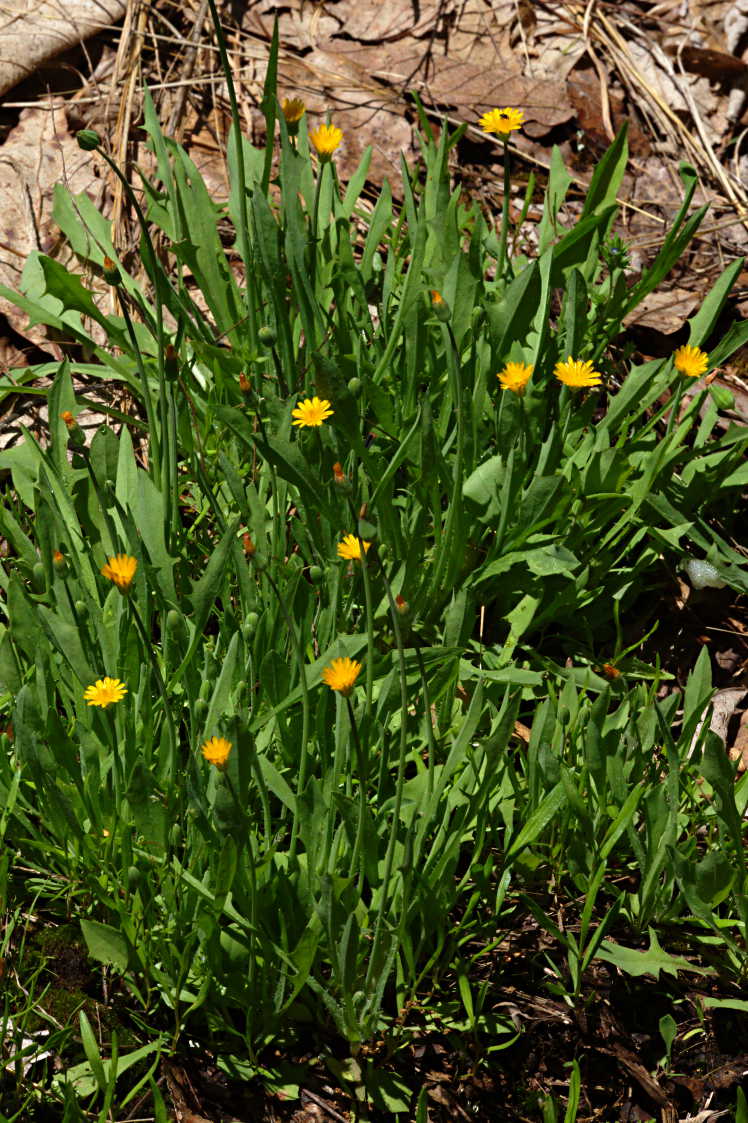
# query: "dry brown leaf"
(38, 153)
(665, 312)
(33, 33)
(739, 749)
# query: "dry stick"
(175, 121)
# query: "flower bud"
(38, 577)
(249, 547)
(171, 362)
(201, 709)
(402, 605)
(59, 561)
(267, 335)
(316, 573)
(88, 140)
(355, 386)
(722, 397)
(367, 531)
(249, 626)
(111, 272)
(244, 384)
(439, 307)
(340, 480)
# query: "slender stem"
(369, 604)
(154, 429)
(399, 785)
(148, 644)
(503, 263)
(675, 406)
(244, 247)
(454, 510)
(305, 703)
(356, 857)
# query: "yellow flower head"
(216, 751)
(515, 377)
(576, 374)
(341, 675)
(326, 138)
(350, 548)
(311, 412)
(104, 692)
(120, 570)
(502, 121)
(691, 361)
(68, 418)
(293, 110)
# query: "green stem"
(244, 247)
(503, 262)
(154, 429)
(362, 786)
(454, 511)
(168, 717)
(384, 897)
(305, 703)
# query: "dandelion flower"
(216, 751)
(326, 139)
(515, 377)
(691, 361)
(350, 548)
(311, 412)
(502, 121)
(576, 374)
(121, 570)
(341, 675)
(293, 110)
(105, 691)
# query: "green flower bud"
(316, 573)
(367, 530)
(267, 335)
(38, 577)
(81, 607)
(175, 836)
(355, 385)
(250, 625)
(722, 397)
(201, 709)
(88, 140)
(134, 878)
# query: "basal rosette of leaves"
(315, 867)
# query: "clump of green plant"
(266, 644)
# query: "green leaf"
(106, 944)
(649, 962)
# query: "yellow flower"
(575, 373)
(68, 418)
(341, 675)
(104, 692)
(326, 139)
(293, 110)
(120, 570)
(691, 361)
(216, 751)
(350, 548)
(515, 377)
(312, 412)
(502, 121)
